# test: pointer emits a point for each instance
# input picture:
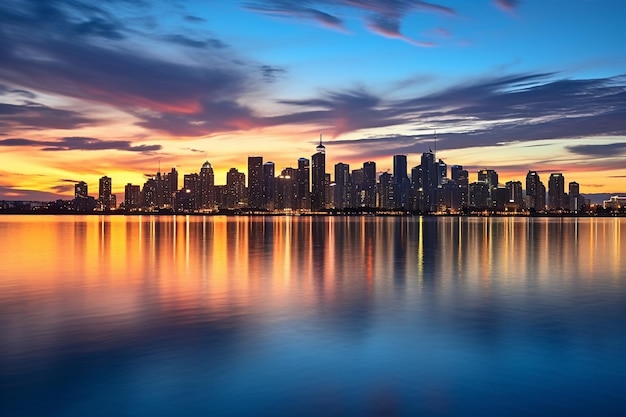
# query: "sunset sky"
(92, 88)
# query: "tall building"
(556, 192)
(442, 171)
(430, 182)
(318, 171)
(105, 199)
(342, 185)
(132, 197)
(460, 178)
(386, 191)
(81, 190)
(207, 187)
(255, 182)
(269, 186)
(358, 188)
(303, 193)
(488, 176)
(369, 184)
(401, 182)
(576, 201)
(235, 188)
(535, 192)
(286, 189)
(515, 193)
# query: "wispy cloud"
(77, 143)
(383, 17)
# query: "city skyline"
(117, 90)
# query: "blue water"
(310, 316)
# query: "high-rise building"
(369, 184)
(401, 182)
(318, 171)
(358, 188)
(235, 188)
(269, 186)
(81, 190)
(576, 202)
(556, 192)
(535, 192)
(132, 197)
(430, 182)
(342, 185)
(303, 193)
(386, 191)
(515, 194)
(207, 187)
(104, 193)
(255, 182)
(442, 172)
(488, 176)
(460, 178)
(286, 189)
(479, 196)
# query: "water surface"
(310, 316)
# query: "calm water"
(216, 316)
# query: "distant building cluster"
(428, 188)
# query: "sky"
(124, 88)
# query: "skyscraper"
(303, 193)
(318, 171)
(269, 186)
(235, 188)
(132, 197)
(430, 182)
(207, 186)
(255, 182)
(556, 192)
(535, 192)
(342, 185)
(575, 199)
(369, 184)
(401, 182)
(104, 193)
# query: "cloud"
(77, 143)
(608, 150)
(194, 19)
(84, 52)
(38, 116)
(382, 17)
(509, 6)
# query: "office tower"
(81, 190)
(167, 185)
(556, 192)
(286, 189)
(149, 194)
(269, 186)
(327, 191)
(255, 182)
(460, 181)
(401, 182)
(342, 185)
(235, 188)
(488, 176)
(499, 198)
(442, 172)
(515, 194)
(317, 177)
(415, 194)
(132, 197)
(189, 199)
(535, 192)
(479, 196)
(575, 199)
(207, 187)
(104, 193)
(173, 183)
(386, 191)
(430, 181)
(303, 194)
(369, 184)
(358, 188)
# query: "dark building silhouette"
(429, 182)
(369, 184)
(235, 188)
(207, 187)
(255, 182)
(401, 181)
(386, 191)
(318, 172)
(132, 197)
(269, 186)
(342, 186)
(105, 195)
(535, 192)
(556, 192)
(303, 193)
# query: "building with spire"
(318, 174)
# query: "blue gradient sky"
(88, 89)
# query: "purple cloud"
(77, 143)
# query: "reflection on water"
(305, 316)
